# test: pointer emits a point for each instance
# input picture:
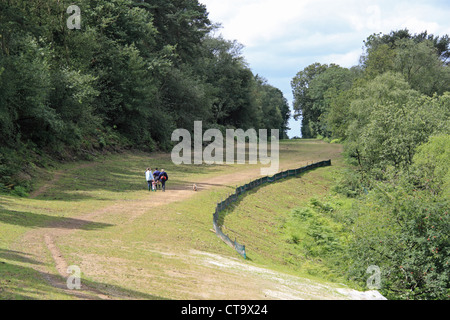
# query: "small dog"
(194, 187)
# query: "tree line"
(392, 113)
(133, 72)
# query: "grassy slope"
(150, 253)
(264, 220)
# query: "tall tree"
(303, 103)
(182, 24)
(274, 108)
(312, 89)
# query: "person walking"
(163, 177)
(156, 174)
(149, 178)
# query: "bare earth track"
(42, 244)
(40, 240)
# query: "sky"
(282, 37)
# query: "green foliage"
(393, 225)
(133, 73)
(314, 230)
(393, 119)
(274, 112)
(337, 141)
(379, 61)
(421, 67)
(441, 44)
(420, 59)
(313, 90)
(19, 191)
(328, 98)
(406, 235)
(303, 104)
(430, 170)
(400, 224)
(387, 120)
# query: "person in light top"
(149, 177)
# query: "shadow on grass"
(25, 283)
(33, 220)
(16, 256)
(121, 293)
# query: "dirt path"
(41, 243)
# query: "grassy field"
(133, 244)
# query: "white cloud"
(258, 22)
(254, 21)
(346, 60)
(282, 37)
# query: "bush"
(405, 233)
(336, 141)
(351, 184)
(431, 166)
(3, 189)
(314, 230)
(20, 191)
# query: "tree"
(401, 225)
(391, 40)
(431, 166)
(231, 84)
(303, 103)
(313, 89)
(394, 120)
(182, 24)
(134, 72)
(379, 61)
(274, 108)
(420, 58)
(421, 66)
(386, 120)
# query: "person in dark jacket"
(163, 177)
(156, 182)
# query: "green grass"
(141, 256)
(275, 221)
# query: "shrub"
(336, 141)
(405, 233)
(351, 184)
(3, 189)
(20, 191)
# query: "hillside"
(132, 244)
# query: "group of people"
(156, 179)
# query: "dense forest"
(392, 113)
(131, 73)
